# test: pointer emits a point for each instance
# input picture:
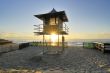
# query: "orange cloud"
(89, 36)
(31, 36)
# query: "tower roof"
(53, 12)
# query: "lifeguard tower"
(53, 23)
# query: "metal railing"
(38, 28)
(65, 28)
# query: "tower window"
(52, 21)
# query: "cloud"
(9, 35)
(31, 36)
(89, 36)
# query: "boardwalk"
(73, 60)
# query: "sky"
(88, 19)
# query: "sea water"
(72, 42)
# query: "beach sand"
(72, 60)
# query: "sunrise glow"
(54, 37)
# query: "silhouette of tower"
(53, 22)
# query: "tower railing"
(38, 28)
(65, 28)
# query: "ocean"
(79, 42)
(72, 42)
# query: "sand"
(73, 60)
(8, 47)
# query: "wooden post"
(58, 40)
(63, 42)
(58, 35)
(43, 43)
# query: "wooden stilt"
(63, 43)
(43, 43)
